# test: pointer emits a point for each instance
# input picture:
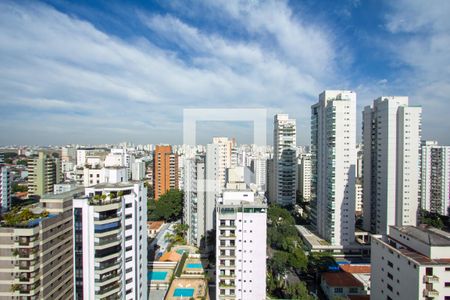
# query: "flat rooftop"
(429, 236)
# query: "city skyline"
(103, 73)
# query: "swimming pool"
(194, 266)
(181, 251)
(156, 275)
(183, 292)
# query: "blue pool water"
(194, 266)
(181, 251)
(156, 275)
(183, 292)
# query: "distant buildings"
(111, 241)
(241, 220)
(333, 155)
(410, 263)
(435, 178)
(37, 253)
(5, 188)
(44, 171)
(391, 136)
(165, 165)
(284, 160)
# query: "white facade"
(333, 157)
(304, 176)
(138, 170)
(194, 199)
(410, 263)
(285, 160)
(218, 159)
(111, 242)
(5, 188)
(391, 135)
(358, 197)
(241, 246)
(435, 178)
(259, 168)
(60, 188)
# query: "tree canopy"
(169, 207)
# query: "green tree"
(169, 206)
(19, 188)
(298, 291)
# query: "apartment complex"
(391, 136)
(241, 220)
(284, 160)
(36, 260)
(411, 263)
(304, 176)
(110, 237)
(5, 188)
(44, 171)
(333, 161)
(435, 178)
(194, 199)
(165, 166)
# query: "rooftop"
(429, 236)
(341, 279)
(355, 268)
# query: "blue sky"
(104, 71)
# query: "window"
(390, 264)
(353, 290)
(389, 287)
(338, 290)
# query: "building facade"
(241, 218)
(5, 188)
(410, 263)
(44, 171)
(435, 178)
(36, 260)
(165, 166)
(304, 176)
(333, 161)
(110, 237)
(284, 160)
(391, 136)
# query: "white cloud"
(133, 90)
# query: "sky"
(93, 72)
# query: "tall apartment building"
(284, 160)
(36, 260)
(259, 168)
(241, 219)
(218, 160)
(43, 172)
(165, 166)
(304, 176)
(194, 199)
(391, 136)
(5, 188)
(435, 178)
(110, 257)
(333, 158)
(410, 263)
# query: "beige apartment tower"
(44, 171)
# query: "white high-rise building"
(410, 263)
(435, 178)
(194, 199)
(259, 168)
(285, 160)
(110, 241)
(241, 219)
(391, 136)
(218, 159)
(333, 156)
(304, 176)
(5, 188)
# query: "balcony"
(431, 279)
(430, 293)
(230, 236)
